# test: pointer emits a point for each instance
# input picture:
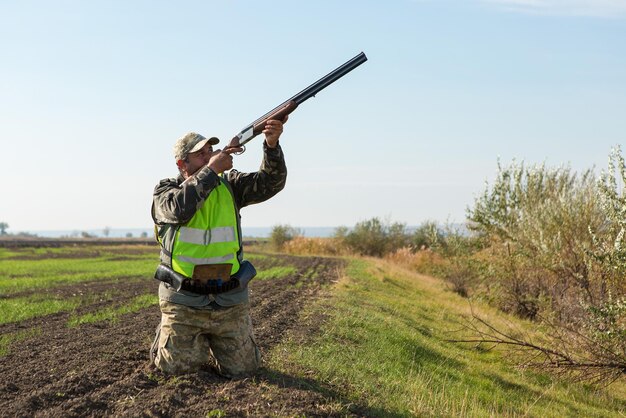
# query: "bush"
(429, 249)
(556, 253)
(609, 251)
(537, 222)
(427, 235)
(374, 237)
(281, 234)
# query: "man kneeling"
(203, 295)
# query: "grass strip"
(41, 304)
(382, 346)
(112, 314)
(254, 256)
(275, 272)
(7, 339)
(27, 275)
(20, 309)
(8, 252)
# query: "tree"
(281, 234)
(377, 237)
(106, 231)
(3, 228)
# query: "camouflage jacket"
(175, 203)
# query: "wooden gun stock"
(258, 125)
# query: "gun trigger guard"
(242, 150)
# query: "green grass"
(112, 314)
(39, 269)
(275, 272)
(66, 268)
(7, 339)
(20, 309)
(8, 252)
(383, 347)
(252, 257)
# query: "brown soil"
(103, 369)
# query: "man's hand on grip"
(222, 160)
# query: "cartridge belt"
(205, 281)
(210, 286)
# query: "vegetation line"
(383, 324)
(21, 309)
(275, 272)
(112, 314)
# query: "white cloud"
(598, 8)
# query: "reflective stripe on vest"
(210, 237)
(206, 236)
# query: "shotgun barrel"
(288, 106)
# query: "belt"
(211, 286)
(206, 286)
(196, 285)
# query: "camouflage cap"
(189, 143)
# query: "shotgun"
(288, 106)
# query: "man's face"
(195, 160)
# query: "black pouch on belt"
(165, 274)
(245, 273)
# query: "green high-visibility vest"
(211, 236)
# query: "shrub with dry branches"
(566, 350)
(557, 256)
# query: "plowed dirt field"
(102, 368)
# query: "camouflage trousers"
(189, 336)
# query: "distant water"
(250, 232)
(308, 231)
(78, 233)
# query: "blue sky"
(94, 94)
